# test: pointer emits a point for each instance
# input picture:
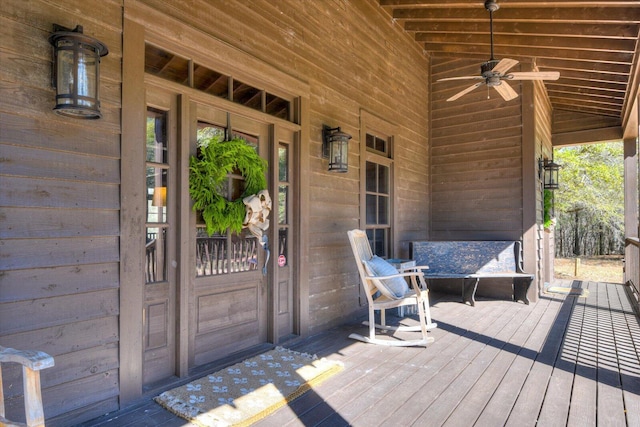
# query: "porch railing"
(632, 269)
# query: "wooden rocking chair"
(32, 363)
(386, 288)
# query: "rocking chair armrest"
(34, 360)
(415, 268)
(407, 274)
(418, 285)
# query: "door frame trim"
(131, 198)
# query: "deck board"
(565, 360)
(584, 394)
(531, 397)
(480, 394)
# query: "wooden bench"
(32, 362)
(472, 261)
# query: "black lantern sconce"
(335, 147)
(548, 171)
(76, 72)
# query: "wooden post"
(576, 269)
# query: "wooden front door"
(207, 297)
(231, 279)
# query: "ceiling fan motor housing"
(487, 67)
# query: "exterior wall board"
(476, 160)
(61, 189)
(484, 153)
(59, 202)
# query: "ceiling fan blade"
(533, 75)
(506, 91)
(460, 78)
(504, 65)
(464, 92)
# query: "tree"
(590, 201)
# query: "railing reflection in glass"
(221, 255)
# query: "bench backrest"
(468, 257)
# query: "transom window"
(176, 68)
(378, 144)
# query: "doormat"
(578, 292)
(250, 390)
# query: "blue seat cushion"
(397, 286)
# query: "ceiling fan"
(493, 73)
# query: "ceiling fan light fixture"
(493, 81)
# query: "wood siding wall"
(476, 159)
(60, 192)
(59, 198)
(484, 162)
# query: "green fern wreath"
(208, 181)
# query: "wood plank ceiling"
(594, 44)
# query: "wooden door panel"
(227, 308)
(222, 342)
(156, 320)
(285, 304)
(159, 354)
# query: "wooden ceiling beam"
(557, 42)
(616, 31)
(599, 71)
(570, 105)
(508, 3)
(589, 136)
(586, 15)
(585, 97)
(508, 51)
(584, 90)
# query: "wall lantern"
(549, 173)
(76, 72)
(335, 147)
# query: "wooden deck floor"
(565, 360)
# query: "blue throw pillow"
(396, 286)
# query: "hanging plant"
(208, 178)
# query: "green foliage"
(590, 202)
(209, 181)
(548, 207)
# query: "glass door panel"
(159, 288)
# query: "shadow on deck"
(565, 360)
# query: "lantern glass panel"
(338, 154)
(65, 74)
(87, 73)
(552, 179)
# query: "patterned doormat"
(250, 390)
